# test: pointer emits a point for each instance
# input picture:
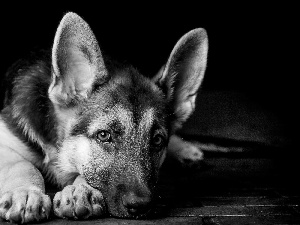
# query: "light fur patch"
(66, 118)
(13, 148)
(147, 120)
(74, 153)
(79, 152)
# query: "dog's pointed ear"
(77, 62)
(181, 77)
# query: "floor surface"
(224, 189)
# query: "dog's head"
(115, 123)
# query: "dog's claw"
(82, 205)
(22, 206)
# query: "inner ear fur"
(183, 74)
(77, 61)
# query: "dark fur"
(59, 105)
(26, 87)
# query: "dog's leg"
(79, 201)
(185, 152)
(22, 191)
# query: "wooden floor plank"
(251, 220)
(250, 201)
(211, 211)
(113, 221)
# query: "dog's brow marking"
(100, 123)
(125, 117)
(117, 113)
(147, 119)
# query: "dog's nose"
(135, 204)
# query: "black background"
(252, 48)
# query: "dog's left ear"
(182, 75)
(77, 62)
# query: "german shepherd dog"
(97, 129)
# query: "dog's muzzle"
(129, 203)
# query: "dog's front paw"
(79, 201)
(23, 206)
(187, 153)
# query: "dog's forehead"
(127, 98)
(123, 120)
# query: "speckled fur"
(57, 103)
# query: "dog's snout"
(136, 204)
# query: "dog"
(96, 128)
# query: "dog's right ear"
(77, 62)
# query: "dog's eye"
(157, 140)
(104, 136)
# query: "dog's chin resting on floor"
(97, 129)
